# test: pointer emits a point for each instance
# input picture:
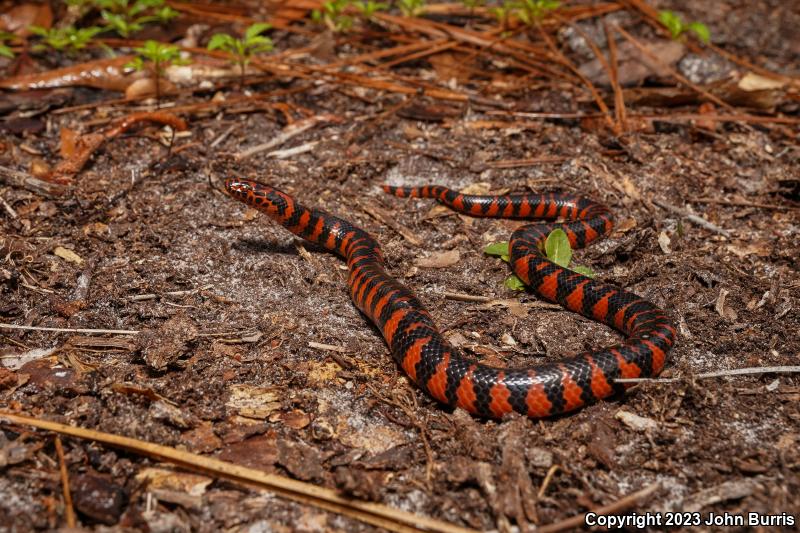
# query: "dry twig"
(749, 371)
(305, 493)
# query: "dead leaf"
(755, 82)
(721, 309)
(630, 188)
(165, 478)
(439, 259)
(20, 18)
(68, 255)
(147, 87)
(741, 250)
(295, 418)
(664, 242)
(626, 224)
(450, 65)
(707, 109)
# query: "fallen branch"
(305, 493)
(23, 180)
(617, 507)
(288, 132)
(700, 221)
(62, 468)
(88, 144)
(749, 371)
(72, 330)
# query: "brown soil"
(145, 221)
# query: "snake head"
(262, 197)
(242, 190)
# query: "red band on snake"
(436, 366)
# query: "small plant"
(556, 249)
(127, 17)
(531, 12)
(159, 56)
(367, 8)
(502, 14)
(242, 50)
(678, 28)
(334, 15)
(6, 50)
(68, 39)
(411, 8)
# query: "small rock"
(96, 497)
(705, 69)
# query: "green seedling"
(502, 14)
(531, 12)
(368, 8)
(155, 57)
(6, 50)
(411, 8)
(678, 28)
(334, 15)
(127, 17)
(556, 249)
(241, 51)
(68, 39)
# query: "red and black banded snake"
(437, 367)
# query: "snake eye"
(237, 187)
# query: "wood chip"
(439, 259)
(68, 255)
(730, 490)
(636, 422)
(254, 402)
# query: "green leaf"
(701, 30)
(557, 248)
(165, 14)
(256, 29)
(6, 51)
(586, 271)
(38, 30)
(498, 249)
(673, 23)
(221, 41)
(136, 63)
(514, 283)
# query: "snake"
(440, 369)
